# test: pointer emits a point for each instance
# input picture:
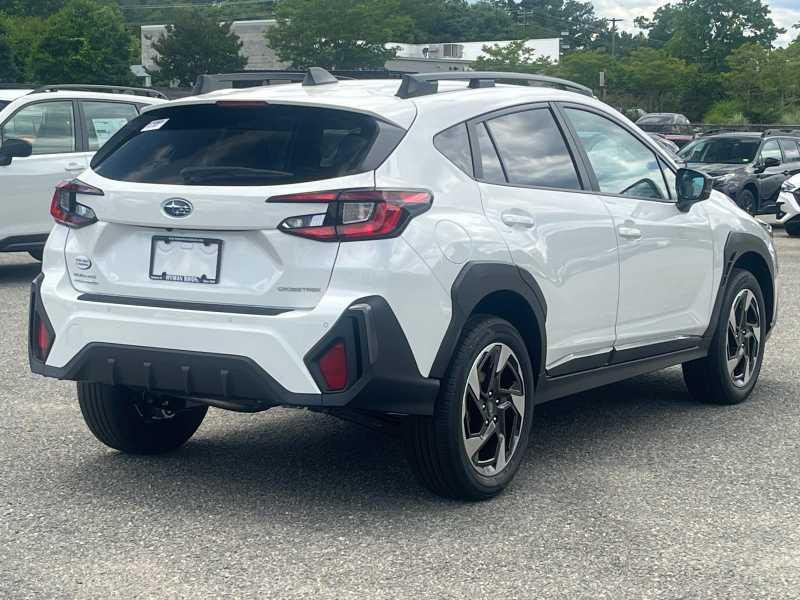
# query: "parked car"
(8, 94)
(788, 210)
(668, 145)
(441, 257)
(48, 135)
(748, 167)
(674, 127)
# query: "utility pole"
(614, 35)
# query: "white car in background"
(788, 213)
(48, 135)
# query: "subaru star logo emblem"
(177, 207)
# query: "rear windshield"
(259, 145)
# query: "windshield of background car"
(655, 120)
(728, 151)
(245, 145)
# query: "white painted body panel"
(790, 205)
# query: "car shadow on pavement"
(292, 463)
(19, 272)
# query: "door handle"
(513, 219)
(629, 233)
(73, 166)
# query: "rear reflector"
(42, 338)
(353, 215)
(333, 367)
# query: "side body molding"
(476, 282)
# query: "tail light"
(66, 209)
(42, 337)
(354, 215)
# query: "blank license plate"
(187, 260)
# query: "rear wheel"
(473, 445)
(730, 371)
(747, 201)
(122, 419)
(793, 228)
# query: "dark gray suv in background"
(748, 167)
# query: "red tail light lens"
(354, 215)
(333, 367)
(41, 337)
(66, 209)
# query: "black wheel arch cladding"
(501, 289)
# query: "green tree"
(513, 57)
(84, 42)
(8, 66)
(195, 44)
(707, 31)
(31, 8)
(659, 78)
(576, 18)
(24, 34)
(347, 34)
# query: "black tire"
(116, 417)
(436, 446)
(746, 200)
(709, 379)
(793, 229)
(37, 254)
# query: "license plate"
(186, 260)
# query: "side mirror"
(771, 161)
(14, 148)
(693, 187)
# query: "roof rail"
(790, 132)
(112, 89)
(248, 79)
(425, 84)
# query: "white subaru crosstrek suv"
(443, 258)
(788, 203)
(48, 135)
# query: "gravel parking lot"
(631, 491)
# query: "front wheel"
(793, 229)
(730, 371)
(747, 201)
(122, 419)
(473, 445)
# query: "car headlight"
(788, 186)
(723, 179)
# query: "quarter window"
(48, 126)
(533, 151)
(454, 144)
(104, 119)
(490, 163)
(623, 165)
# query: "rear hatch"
(182, 206)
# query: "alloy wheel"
(743, 338)
(493, 409)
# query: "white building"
(410, 58)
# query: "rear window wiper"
(201, 174)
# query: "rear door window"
(533, 151)
(790, 150)
(103, 119)
(245, 145)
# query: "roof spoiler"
(248, 79)
(425, 84)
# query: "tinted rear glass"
(245, 145)
(454, 144)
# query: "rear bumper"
(206, 355)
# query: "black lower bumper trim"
(386, 381)
(23, 243)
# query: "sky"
(785, 13)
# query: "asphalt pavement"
(630, 491)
